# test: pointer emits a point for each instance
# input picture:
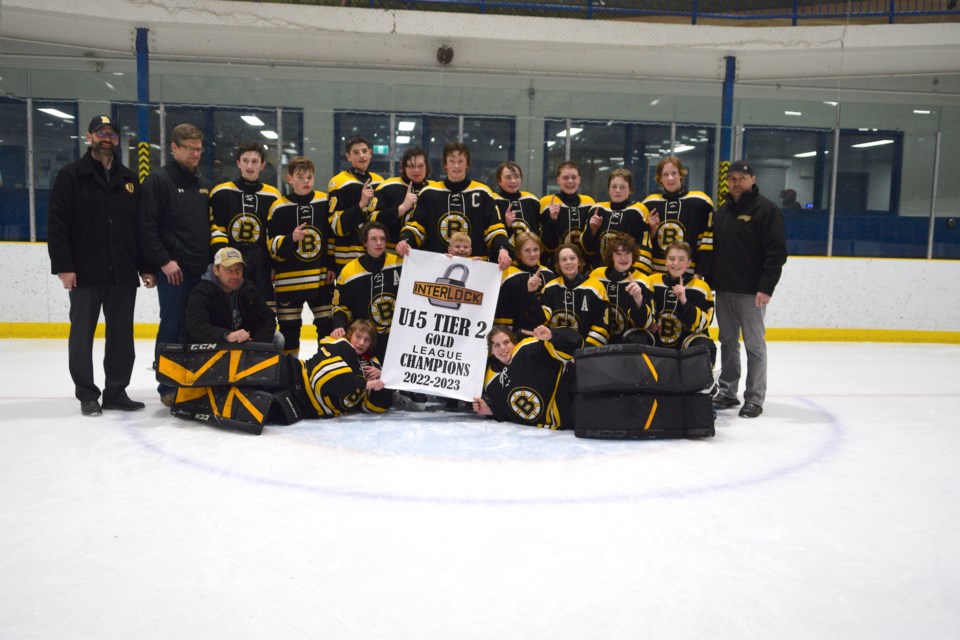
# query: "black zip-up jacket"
(175, 218)
(92, 224)
(749, 246)
(210, 313)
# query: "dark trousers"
(117, 303)
(173, 305)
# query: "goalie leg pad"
(636, 416)
(229, 407)
(216, 365)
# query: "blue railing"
(736, 10)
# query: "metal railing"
(794, 11)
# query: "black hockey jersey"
(623, 217)
(581, 304)
(445, 208)
(679, 321)
(300, 265)
(334, 381)
(389, 196)
(573, 217)
(346, 216)
(366, 289)
(624, 314)
(687, 216)
(526, 206)
(535, 388)
(517, 307)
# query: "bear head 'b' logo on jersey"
(670, 328)
(352, 400)
(381, 311)
(618, 320)
(519, 226)
(452, 222)
(526, 403)
(572, 236)
(311, 245)
(245, 229)
(668, 232)
(564, 318)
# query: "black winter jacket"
(92, 224)
(175, 218)
(209, 315)
(749, 246)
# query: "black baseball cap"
(101, 121)
(739, 166)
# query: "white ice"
(833, 515)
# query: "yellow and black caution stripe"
(143, 160)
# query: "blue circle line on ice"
(834, 435)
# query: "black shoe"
(451, 405)
(724, 402)
(90, 408)
(751, 410)
(122, 402)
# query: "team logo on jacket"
(129, 187)
(526, 403)
(245, 229)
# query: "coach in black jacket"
(92, 241)
(749, 251)
(224, 307)
(175, 231)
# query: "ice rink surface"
(833, 515)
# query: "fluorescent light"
(805, 154)
(550, 143)
(403, 139)
(270, 135)
(922, 112)
(57, 113)
(109, 86)
(874, 143)
(792, 113)
(680, 148)
(573, 131)
(654, 103)
(831, 103)
(406, 125)
(253, 121)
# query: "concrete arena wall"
(857, 299)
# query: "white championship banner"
(438, 338)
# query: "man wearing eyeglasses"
(92, 241)
(175, 232)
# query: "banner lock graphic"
(449, 292)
